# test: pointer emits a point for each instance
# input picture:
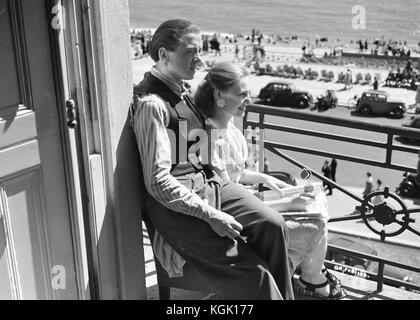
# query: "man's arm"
(149, 124)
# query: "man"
(333, 168)
(205, 237)
(375, 84)
(326, 169)
(368, 185)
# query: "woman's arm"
(253, 177)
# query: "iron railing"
(384, 214)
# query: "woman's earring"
(221, 103)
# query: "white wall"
(119, 149)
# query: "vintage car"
(285, 93)
(378, 102)
(414, 123)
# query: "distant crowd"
(256, 40)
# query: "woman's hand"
(274, 183)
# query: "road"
(348, 173)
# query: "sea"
(345, 20)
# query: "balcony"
(295, 140)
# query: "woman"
(224, 94)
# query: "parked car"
(361, 263)
(285, 93)
(414, 122)
(409, 187)
(379, 102)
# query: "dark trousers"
(258, 269)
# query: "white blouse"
(229, 149)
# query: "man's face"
(184, 61)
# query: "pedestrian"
(236, 53)
(333, 168)
(368, 185)
(266, 165)
(326, 169)
(375, 84)
(347, 80)
(379, 198)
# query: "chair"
(190, 280)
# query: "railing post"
(381, 276)
(389, 149)
(381, 268)
(261, 148)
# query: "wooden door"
(37, 259)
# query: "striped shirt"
(149, 121)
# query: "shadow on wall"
(129, 188)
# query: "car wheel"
(406, 189)
(397, 113)
(302, 103)
(269, 99)
(365, 109)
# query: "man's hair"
(222, 76)
(368, 174)
(169, 35)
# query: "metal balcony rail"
(382, 213)
(379, 276)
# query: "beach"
(140, 66)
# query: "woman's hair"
(169, 34)
(222, 76)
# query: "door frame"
(106, 212)
(72, 154)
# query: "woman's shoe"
(330, 277)
(304, 288)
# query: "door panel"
(26, 239)
(35, 229)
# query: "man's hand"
(224, 224)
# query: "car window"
(367, 96)
(381, 97)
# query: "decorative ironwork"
(384, 213)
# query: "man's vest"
(183, 117)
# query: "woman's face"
(237, 97)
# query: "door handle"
(71, 114)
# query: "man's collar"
(178, 88)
